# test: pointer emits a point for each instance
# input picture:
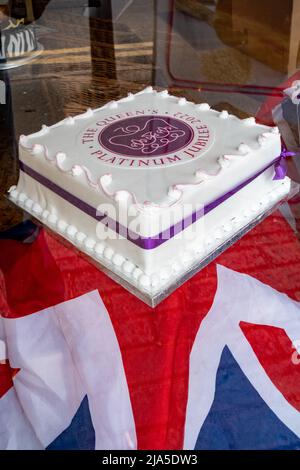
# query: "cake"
(150, 184)
(16, 39)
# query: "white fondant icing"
(24, 141)
(273, 196)
(77, 170)
(45, 214)
(108, 253)
(255, 207)
(188, 258)
(203, 107)
(22, 197)
(165, 273)
(52, 219)
(218, 234)
(209, 242)
(60, 159)
(224, 161)
(137, 273)
(37, 209)
(244, 149)
(227, 227)
(199, 249)
(28, 203)
(155, 281)
(249, 121)
(71, 231)
(113, 105)
(89, 113)
(106, 180)
(247, 213)
(62, 226)
(145, 281)
(176, 267)
(44, 130)
(118, 260)
(158, 191)
(164, 93)
(38, 149)
(223, 114)
(99, 248)
(204, 175)
(275, 130)
(127, 98)
(175, 193)
(89, 244)
(262, 139)
(13, 192)
(70, 120)
(122, 196)
(80, 237)
(182, 101)
(128, 267)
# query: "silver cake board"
(23, 60)
(153, 299)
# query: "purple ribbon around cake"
(148, 243)
(280, 164)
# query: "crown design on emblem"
(155, 134)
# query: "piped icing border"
(146, 243)
(103, 183)
(126, 268)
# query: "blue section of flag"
(80, 435)
(239, 418)
(25, 231)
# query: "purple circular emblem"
(146, 136)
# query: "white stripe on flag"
(64, 353)
(239, 297)
(15, 430)
(3, 352)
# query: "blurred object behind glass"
(4, 10)
(235, 51)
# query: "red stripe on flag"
(278, 357)
(155, 344)
(6, 377)
(32, 278)
(270, 253)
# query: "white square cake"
(149, 185)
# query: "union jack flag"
(86, 365)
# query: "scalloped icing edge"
(125, 268)
(175, 191)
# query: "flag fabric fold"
(86, 365)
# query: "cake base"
(22, 60)
(154, 298)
